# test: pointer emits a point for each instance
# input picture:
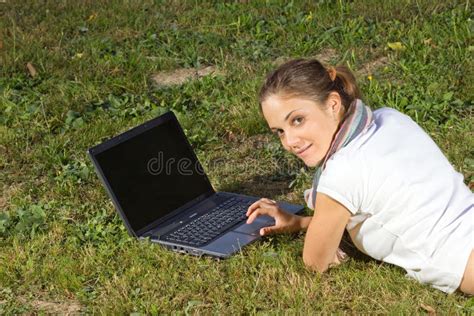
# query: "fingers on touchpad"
(254, 228)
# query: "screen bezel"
(117, 140)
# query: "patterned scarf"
(355, 121)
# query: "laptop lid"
(151, 173)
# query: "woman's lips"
(302, 151)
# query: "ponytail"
(345, 84)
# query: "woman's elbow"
(315, 265)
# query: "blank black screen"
(153, 173)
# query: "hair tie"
(332, 73)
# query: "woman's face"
(304, 127)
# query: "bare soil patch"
(69, 307)
(182, 75)
(329, 56)
(326, 57)
(372, 66)
(66, 308)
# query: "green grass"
(62, 243)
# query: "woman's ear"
(334, 105)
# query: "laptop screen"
(153, 173)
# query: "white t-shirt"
(395, 180)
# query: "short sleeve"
(342, 180)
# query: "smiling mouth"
(303, 150)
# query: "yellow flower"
(369, 77)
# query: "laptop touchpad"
(254, 228)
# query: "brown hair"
(308, 78)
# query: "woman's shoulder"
(399, 129)
(392, 136)
(389, 115)
(388, 127)
(392, 126)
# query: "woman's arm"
(324, 233)
(324, 229)
(304, 222)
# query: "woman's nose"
(292, 140)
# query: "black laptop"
(162, 193)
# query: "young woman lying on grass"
(380, 176)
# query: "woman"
(380, 176)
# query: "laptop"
(162, 193)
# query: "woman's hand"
(284, 222)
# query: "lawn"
(73, 73)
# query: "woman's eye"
(297, 120)
(279, 132)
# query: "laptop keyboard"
(210, 225)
